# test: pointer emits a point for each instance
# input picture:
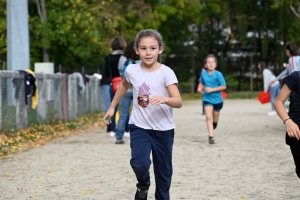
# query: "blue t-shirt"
(213, 80)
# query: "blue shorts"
(217, 107)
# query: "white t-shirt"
(294, 65)
(146, 85)
(268, 76)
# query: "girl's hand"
(292, 129)
(156, 100)
(272, 82)
(208, 89)
(108, 115)
(200, 90)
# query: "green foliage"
(231, 81)
(77, 32)
(184, 87)
(3, 47)
(230, 95)
(242, 95)
(295, 28)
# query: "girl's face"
(148, 49)
(258, 66)
(288, 53)
(211, 64)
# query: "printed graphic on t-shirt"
(143, 96)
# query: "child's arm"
(200, 88)
(200, 85)
(123, 87)
(291, 128)
(221, 82)
(281, 75)
(174, 100)
(220, 88)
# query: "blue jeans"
(160, 143)
(108, 96)
(124, 114)
(274, 91)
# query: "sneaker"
(211, 140)
(127, 134)
(272, 113)
(120, 141)
(112, 134)
(141, 192)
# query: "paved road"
(249, 161)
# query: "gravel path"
(250, 160)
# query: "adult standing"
(117, 45)
(274, 88)
(126, 101)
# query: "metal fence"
(60, 96)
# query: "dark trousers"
(142, 142)
(295, 149)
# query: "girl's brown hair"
(292, 47)
(263, 65)
(210, 56)
(150, 33)
(117, 43)
(129, 51)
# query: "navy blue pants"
(142, 142)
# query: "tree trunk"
(296, 12)
(46, 55)
(41, 6)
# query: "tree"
(78, 31)
(42, 11)
(3, 47)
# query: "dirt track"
(250, 160)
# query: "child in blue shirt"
(213, 83)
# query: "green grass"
(230, 95)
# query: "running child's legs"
(216, 115)
(142, 141)
(162, 162)
(212, 112)
(140, 153)
(209, 119)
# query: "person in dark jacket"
(117, 45)
(126, 101)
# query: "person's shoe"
(141, 192)
(112, 134)
(211, 140)
(126, 134)
(120, 141)
(272, 113)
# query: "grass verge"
(230, 95)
